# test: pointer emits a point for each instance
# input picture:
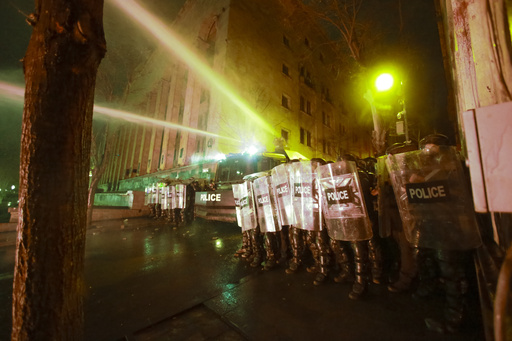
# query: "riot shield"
(265, 205)
(181, 195)
(155, 192)
(147, 196)
(345, 212)
(306, 206)
(172, 196)
(433, 198)
(247, 206)
(236, 196)
(164, 197)
(283, 194)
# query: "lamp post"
(403, 114)
(384, 82)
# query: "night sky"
(421, 54)
(14, 37)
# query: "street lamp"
(384, 82)
(403, 114)
(385, 88)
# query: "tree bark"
(60, 65)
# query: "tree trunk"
(90, 199)
(60, 65)
(97, 173)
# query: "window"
(326, 119)
(306, 42)
(305, 137)
(306, 77)
(286, 70)
(286, 42)
(205, 95)
(325, 146)
(327, 95)
(285, 101)
(321, 57)
(285, 134)
(305, 105)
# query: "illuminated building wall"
(276, 68)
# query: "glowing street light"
(384, 82)
(381, 88)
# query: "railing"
(114, 199)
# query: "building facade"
(249, 74)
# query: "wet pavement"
(149, 281)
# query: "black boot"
(341, 257)
(247, 240)
(322, 242)
(257, 247)
(295, 243)
(452, 268)
(428, 273)
(375, 258)
(360, 286)
(270, 250)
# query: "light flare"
(11, 91)
(130, 117)
(17, 93)
(172, 43)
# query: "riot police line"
(332, 219)
(172, 200)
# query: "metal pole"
(405, 123)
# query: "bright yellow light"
(251, 150)
(219, 156)
(384, 82)
(127, 116)
(17, 92)
(172, 43)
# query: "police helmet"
(437, 139)
(398, 148)
(350, 157)
(319, 160)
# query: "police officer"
(317, 238)
(307, 230)
(347, 220)
(407, 262)
(267, 218)
(439, 221)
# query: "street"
(146, 280)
